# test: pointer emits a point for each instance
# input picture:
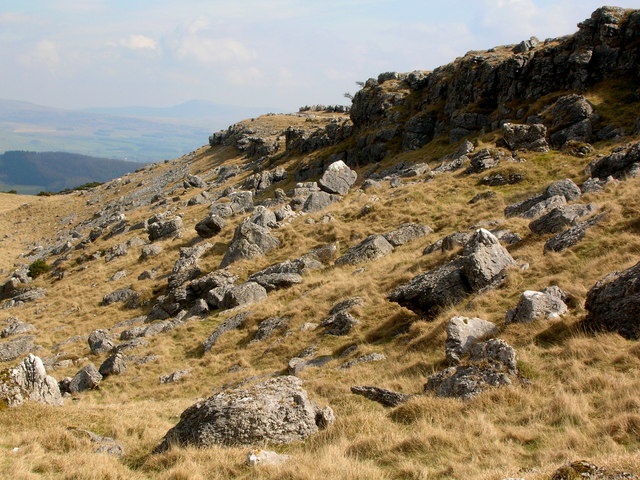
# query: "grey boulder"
(534, 306)
(525, 137)
(371, 248)
(277, 411)
(249, 241)
(29, 382)
(613, 303)
(338, 178)
(463, 333)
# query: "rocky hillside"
(443, 283)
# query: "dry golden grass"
(581, 402)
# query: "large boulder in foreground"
(276, 411)
(614, 303)
(28, 382)
(482, 265)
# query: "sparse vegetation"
(38, 267)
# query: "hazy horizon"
(248, 53)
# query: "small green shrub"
(37, 268)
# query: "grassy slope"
(582, 402)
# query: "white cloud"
(244, 76)
(198, 25)
(213, 51)
(44, 53)
(136, 42)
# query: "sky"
(274, 53)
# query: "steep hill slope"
(298, 245)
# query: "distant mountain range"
(31, 172)
(139, 134)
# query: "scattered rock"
(28, 382)
(298, 364)
(275, 281)
(119, 250)
(165, 229)
(388, 398)
(277, 411)
(482, 265)
(149, 251)
(210, 226)
(249, 241)
(317, 201)
(268, 327)
(338, 178)
(407, 232)
(370, 357)
(613, 303)
(119, 275)
(114, 365)
(105, 444)
(560, 218)
(534, 306)
(123, 295)
(229, 324)
(244, 294)
(463, 333)
(489, 364)
(525, 137)
(14, 348)
(16, 327)
(100, 341)
(572, 236)
(622, 162)
(339, 323)
(566, 187)
(258, 457)
(371, 248)
(175, 376)
(86, 379)
(589, 471)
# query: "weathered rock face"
(338, 178)
(277, 411)
(114, 365)
(624, 161)
(86, 379)
(386, 397)
(210, 226)
(371, 248)
(28, 382)
(412, 112)
(573, 235)
(534, 306)
(16, 328)
(613, 304)
(168, 229)
(407, 232)
(249, 241)
(100, 341)
(13, 349)
(463, 333)
(489, 364)
(560, 218)
(525, 137)
(482, 265)
(572, 118)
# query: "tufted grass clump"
(38, 268)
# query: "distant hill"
(55, 171)
(163, 133)
(193, 112)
